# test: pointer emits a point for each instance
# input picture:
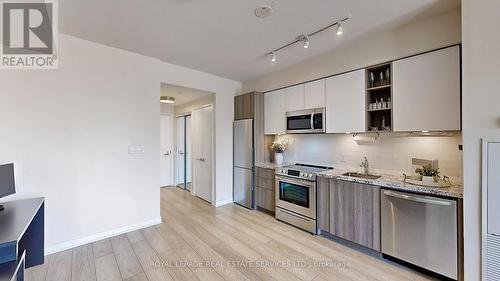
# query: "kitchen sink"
(362, 176)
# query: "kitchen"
(356, 160)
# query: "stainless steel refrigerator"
(243, 163)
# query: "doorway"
(192, 138)
(183, 152)
(203, 153)
(166, 149)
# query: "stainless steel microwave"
(309, 121)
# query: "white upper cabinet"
(295, 98)
(314, 94)
(426, 91)
(345, 102)
(274, 112)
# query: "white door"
(189, 154)
(345, 103)
(426, 92)
(166, 147)
(295, 98)
(180, 150)
(314, 94)
(202, 152)
(274, 112)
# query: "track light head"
(339, 28)
(273, 56)
(306, 42)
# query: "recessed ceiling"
(225, 37)
(182, 95)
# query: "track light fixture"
(273, 58)
(306, 42)
(305, 38)
(339, 29)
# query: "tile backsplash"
(390, 154)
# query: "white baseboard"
(223, 202)
(99, 236)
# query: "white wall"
(480, 109)
(391, 154)
(166, 108)
(435, 32)
(68, 132)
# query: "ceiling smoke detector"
(263, 11)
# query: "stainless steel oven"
(306, 121)
(296, 202)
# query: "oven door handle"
(296, 181)
(312, 121)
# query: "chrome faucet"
(366, 166)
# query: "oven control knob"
(310, 175)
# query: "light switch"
(342, 157)
(135, 149)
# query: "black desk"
(21, 236)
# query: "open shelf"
(378, 109)
(379, 87)
(379, 91)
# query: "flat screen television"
(7, 182)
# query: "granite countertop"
(271, 165)
(395, 182)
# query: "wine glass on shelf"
(372, 80)
(388, 76)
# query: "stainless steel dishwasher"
(421, 230)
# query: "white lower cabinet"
(345, 102)
(426, 91)
(274, 112)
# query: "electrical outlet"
(342, 157)
(135, 149)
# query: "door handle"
(201, 159)
(168, 153)
(417, 199)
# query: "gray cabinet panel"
(323, 204)
(354, 213)
(264, 189)
(244, 106)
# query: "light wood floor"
(199, 242)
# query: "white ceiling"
(224, 37)
(182, 95)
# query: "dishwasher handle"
(417, 199)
